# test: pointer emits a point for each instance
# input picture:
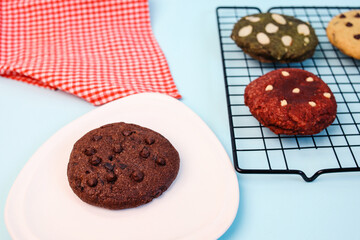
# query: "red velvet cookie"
(121, 165)
(291, 101)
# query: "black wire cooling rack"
(255, 148)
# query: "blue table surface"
(271, 207)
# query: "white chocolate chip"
(263, 38)
(286, 40)
(327, 95)
(303, 29)
(252, 19)
(245, 31)
(279, 19)
(311, 103)
(283, 103)
(269, 88)
(285, 73)
(296, 90)
(306, 41)
(271, 28)
(309, 79)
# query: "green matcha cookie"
(271, 37)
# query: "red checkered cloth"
(99, 50)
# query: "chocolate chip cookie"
(121, 165)
(343, 32)
(291, 101)
(272, 37)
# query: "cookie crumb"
(283, 103)
(269, 88)
(311, 103)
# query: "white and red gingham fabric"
(99, 50)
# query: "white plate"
(200, 204)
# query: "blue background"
(271, 207)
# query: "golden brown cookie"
(291, 101)
(343, 32)
(121, 165)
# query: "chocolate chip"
(96, 137)
(118, 148)
(137, 175)
(111, 157)
(109, 139)
(157, 194)
(90, 151)
(109, 166)
(342, 16)
(357, 15)
(87, 172)
(160, 161)
(357, 36)
(127, 132)
(145, 153)
(349, 24)
(95, 160)
(92, 182)
(122, 166)
(111, 177)
(149, 140)
(102, 182)
(78, 182)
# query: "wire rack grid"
(255, 148)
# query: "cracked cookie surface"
(343, 31)
(121, 165)
(291, 101)
(272, 37)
